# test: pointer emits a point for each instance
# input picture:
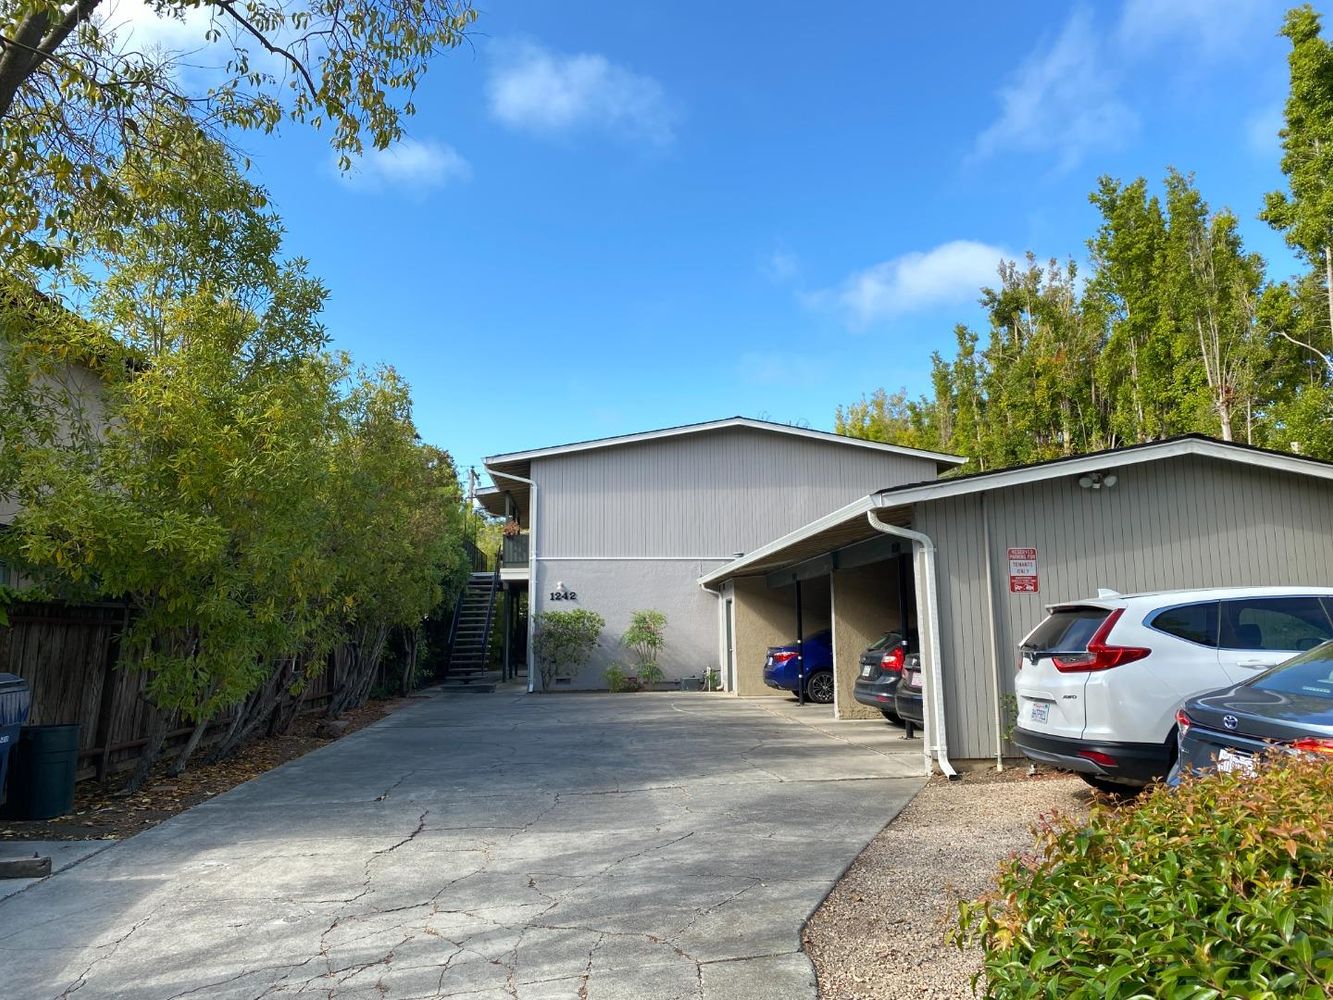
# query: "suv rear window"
(887, 639)
(1274, 623)
(1065, 630)
(1191, 622)
(1310, 674)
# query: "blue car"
(788, 670)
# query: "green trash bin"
(41, 772)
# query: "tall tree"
(1304, 213)
(1213, 290)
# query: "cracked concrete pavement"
(494, 847)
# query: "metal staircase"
(470, 636)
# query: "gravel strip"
(880, 934)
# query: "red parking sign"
(1022, 571)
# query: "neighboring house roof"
(848, 524)
(511, 461)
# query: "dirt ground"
(881, 933)
(102, 812)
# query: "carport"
(981, 556)
(848, 576)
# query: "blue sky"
(613, 217)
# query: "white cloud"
(533, 89)
(1208, 27)
(137, 25)
(780, 367)
(780, 266)
(1261, 131)
(949, 273)
(1062, 101)
(409, 165)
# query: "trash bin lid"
(15, 700)
(10, 683)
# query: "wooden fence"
(68, 655)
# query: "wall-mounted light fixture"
(1097, 480)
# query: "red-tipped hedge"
(1222, 888)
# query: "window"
(1310, 674)
(1191, 622)
(1065, 630)
(1274, 623)
(887, 639)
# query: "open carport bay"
(590, 846)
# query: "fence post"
(106, 707)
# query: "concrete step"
(458, 687)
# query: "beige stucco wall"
(767, 617)
(865, 606)
(763, 618)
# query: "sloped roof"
(517, 461)
(840, 525)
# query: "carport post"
(800, 649)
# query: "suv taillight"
(1314, 744)
(893, 660)
(1183, 721)
(1100, 655)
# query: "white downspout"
(934, 675)
(532, 566)
(993, 635)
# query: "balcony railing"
(514, 552)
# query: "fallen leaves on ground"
(103, 812)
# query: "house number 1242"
(564, 595)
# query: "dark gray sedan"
(1289, 706)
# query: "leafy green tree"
(1214, 288)
(646, 636)
(259, 502)
(79, 95)
(891, 418)
(1304, 213)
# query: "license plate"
(1040, 711)
(865, 671)
(1228, 761)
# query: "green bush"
(1222, 888)
(564, 640)
(615, 678)
(646, 635)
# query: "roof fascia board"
(854, 509)
(906, 496)
(625, 439)
(1094, 463)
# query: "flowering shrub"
(1222, 888)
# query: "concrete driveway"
(587, 847)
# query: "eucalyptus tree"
(1304, 213)
(1213, 288)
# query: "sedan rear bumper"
(874, 695)
(1132, 762)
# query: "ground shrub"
(1220, 889)
(563, 641)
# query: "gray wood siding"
(708, 494)
(1167, 525)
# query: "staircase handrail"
(453, 629)
(490, 612)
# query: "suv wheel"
(819, 687)
(892, 716)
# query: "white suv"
(1099, 681)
